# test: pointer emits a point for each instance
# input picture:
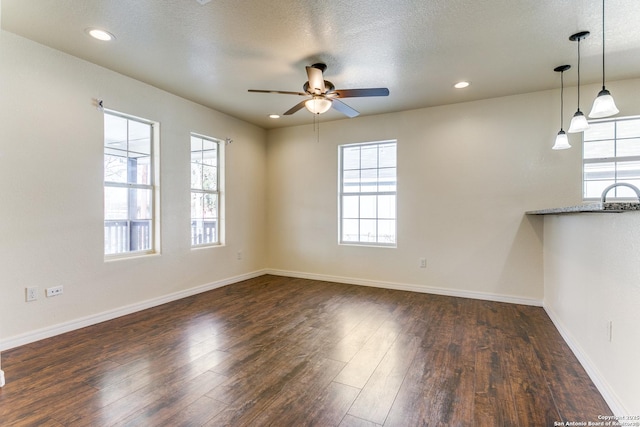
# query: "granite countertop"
(595, 207)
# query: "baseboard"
(1, 378)
(409, 287)
(72, 325)
(598, 380)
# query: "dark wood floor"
(293, 352)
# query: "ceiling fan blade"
(316, 80)
(283, 92)
(344, 108)
(295, 108)
(354, 93)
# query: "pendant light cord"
(561, 99)
(578, 74)
(602, 45)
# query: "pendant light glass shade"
(603, 106)
(579, 121)
(562, 142)
(318, 105)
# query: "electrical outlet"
(56, 290)
(423, 263)
(32, 293)
(610, 330)
(239, 255)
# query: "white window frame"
(619, 193)
(153, 186)
(379, 241)
(217, 192)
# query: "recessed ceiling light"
(461, 85)
(99, 34)
(274, 116)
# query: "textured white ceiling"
(212, 53)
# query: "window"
(129, 179)
(368, 193)
(611, 154)
(205, 190)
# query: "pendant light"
(603, 106)
(579, 121)
(562, 142)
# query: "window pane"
(350, 230)
(599, 149)
(140, 170)
(115, 132)
(139, 136)
(115, 166)
(210, 157)
(141, 203)
(369, 180)
(116, 237)
(140, 235)
(350, 206)
(196, 176)
(387, 207)
(116, 203)
(369, 157)
(197, 205)
(368, 230)
(368, 207)
(204, 232)
(351, 181)
(387, 179)
(599, 171)
(387, 155)
(627, 171)
(628, 147)
(594, 189)
(599, 131)
(351, 158)
(387, 231)
(209, 178)
(196, 143)
(210, 205)
(628, 128)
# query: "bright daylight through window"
(129, 203)
(205, 190)
(611, 154)
(368, 193)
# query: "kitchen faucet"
(620, 184)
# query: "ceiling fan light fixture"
(318, 105)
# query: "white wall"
(592, 277)
(51, 230)
(466, 175)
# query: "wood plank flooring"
(293, 352)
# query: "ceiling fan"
(322, 95)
